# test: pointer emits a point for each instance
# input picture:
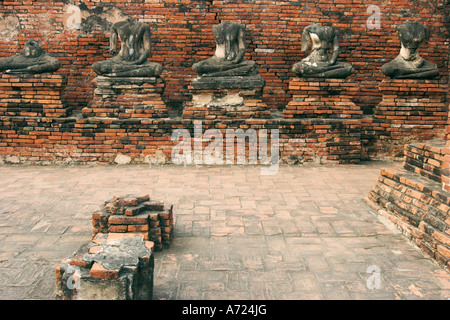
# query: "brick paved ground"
(303, 233)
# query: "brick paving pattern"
(304, 233)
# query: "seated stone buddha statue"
(228, 57)
(131, 61)
(409, 64)
(319, 63)
(32, 60)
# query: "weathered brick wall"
(182, 33)
(418, 207)
(410, 110)
(322, 98)
(33, 96)
(426, 159)
(413, 199)
(68, 140)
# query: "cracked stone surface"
(118, 253)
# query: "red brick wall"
(182, 32)
(39, 140)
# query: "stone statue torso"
(131, 61)
(409, 64)
(319, 49)
(32, 60)
(319, 63)
(131, 37)
(228, 57)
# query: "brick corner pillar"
(322, 98)
(215, 98)
(127, 97)
(37, 95)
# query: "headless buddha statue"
(32, 60)
(131, 61)
(409, 64)
(230, 50)
(319, 63)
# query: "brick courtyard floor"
(304, 233)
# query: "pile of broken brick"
(131, 214)
(118, 263)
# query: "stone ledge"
(103, 81)
(236, 82)
(44, 77)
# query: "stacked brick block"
(33, 96)
(112, 266)
(409, 110)
(322, 98)
(136, 215)
(127, 98)
(426, 159)
(413, 199)
(412, 103)
(328, 104)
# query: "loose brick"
(132, 211)
(138, 228)
(124, 220)
(99, 272)
(117, 228)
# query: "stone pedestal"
(328, 103)
(226, 98)
(322, 98)
(412, 106)
(410, 110)
(130, 97)
(37, 95)
(113, 266)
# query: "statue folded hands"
(319, 63)
(131, 61)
